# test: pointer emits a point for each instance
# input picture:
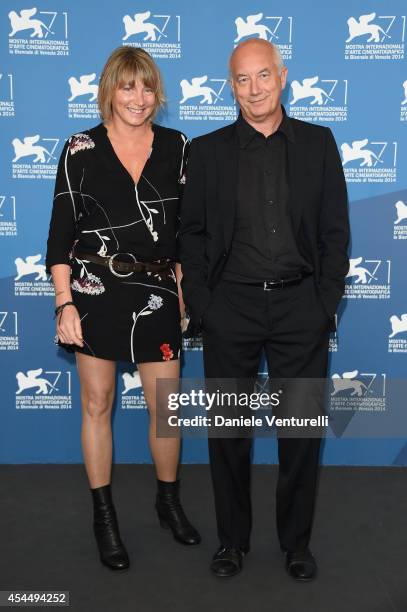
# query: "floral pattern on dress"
(91, 285)
(169, 274)
(146, 212)
(87, 282)
(80, 142)
(154, 303)
(167, 352)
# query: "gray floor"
(360, 541)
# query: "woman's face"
(133, 103)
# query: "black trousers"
(292, 326)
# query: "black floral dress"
(98, 209)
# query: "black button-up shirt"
(263, 245)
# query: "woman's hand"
(184, 322)
(69, 328)
(184, 316)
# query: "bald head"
(257, 78)
(253, 44)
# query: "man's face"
(256, 83)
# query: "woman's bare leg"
(165, 451)
(97, 379)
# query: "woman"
(111, 249)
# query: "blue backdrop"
(347, 69)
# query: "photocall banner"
(346, 69)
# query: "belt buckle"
(113, 271)
(276, 285)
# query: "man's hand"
(190, 330)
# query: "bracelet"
(60, 308)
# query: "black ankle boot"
(171, 514)
(106, 529)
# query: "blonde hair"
(124, 66)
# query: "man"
(264, 235)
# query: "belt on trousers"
(280, 283)
(124, 267)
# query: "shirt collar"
(246, 132)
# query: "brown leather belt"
(122, 268)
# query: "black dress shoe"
(301, 565)
(227, 562)
(106, 529)
(171, 514)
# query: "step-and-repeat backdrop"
(347, 70)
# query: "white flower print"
(169, 275)
(103, 249)
(154, 303)
(87, 282)
(148, 220)
(182, 177)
